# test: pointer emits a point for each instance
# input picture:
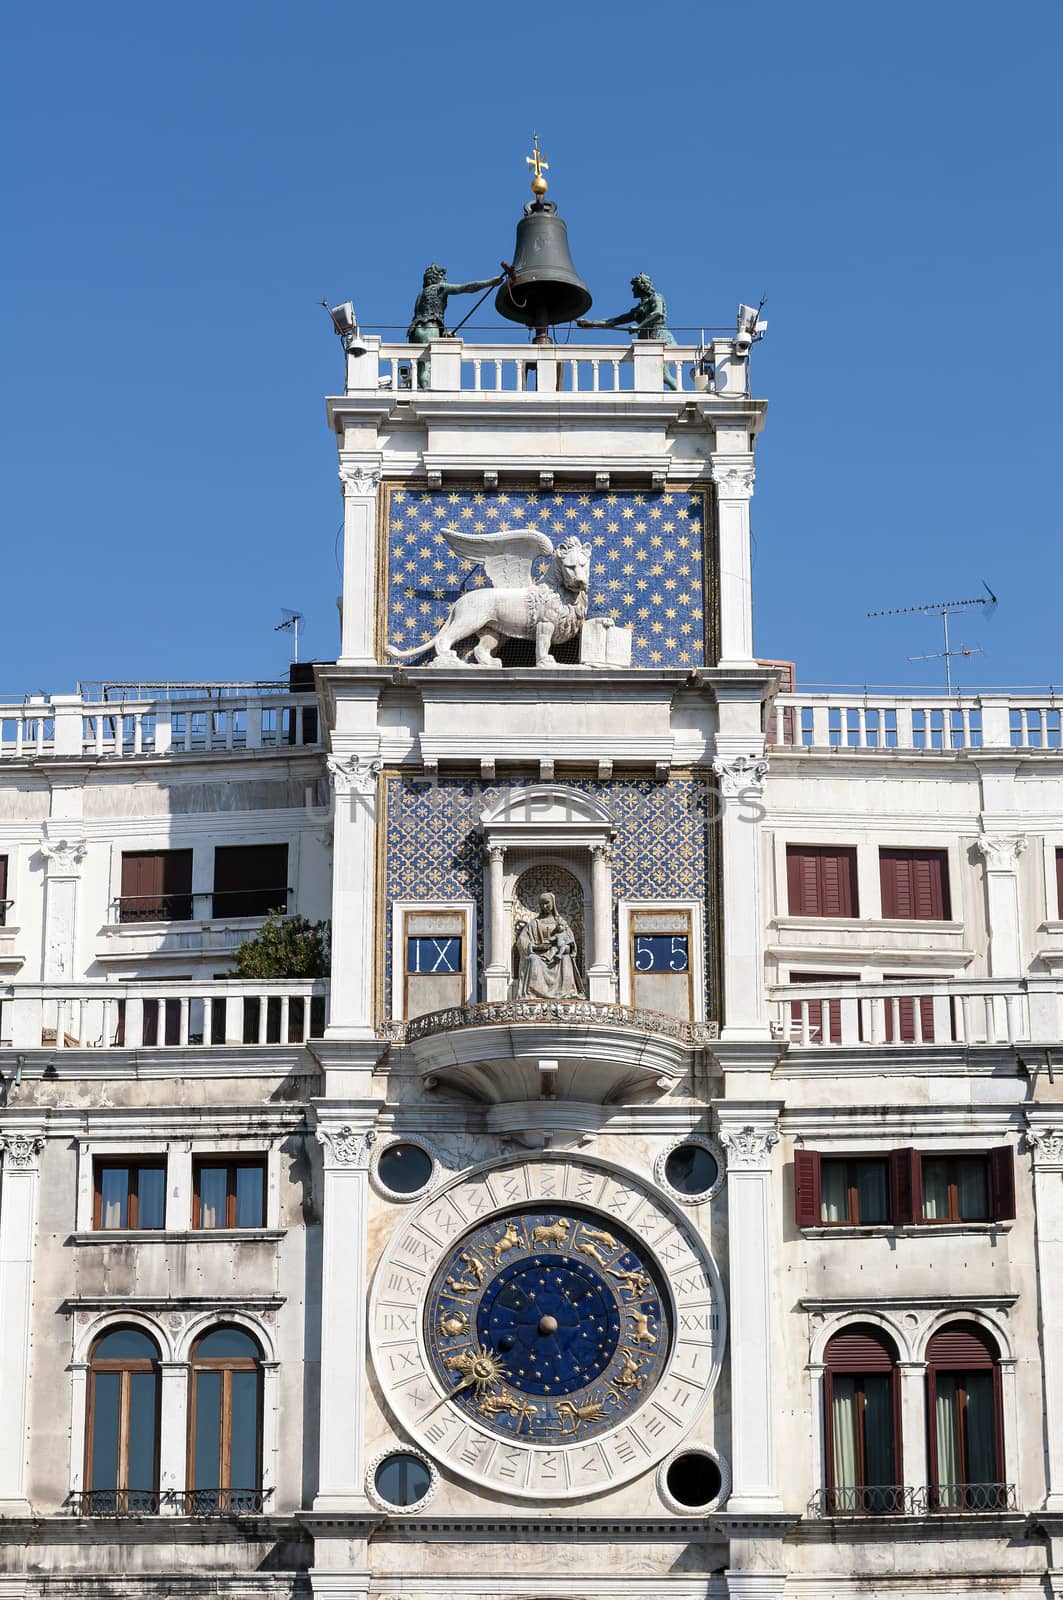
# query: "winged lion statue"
(548, 610)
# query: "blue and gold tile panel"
(432, 849)
(652, 569)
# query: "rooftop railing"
(71, 726)
(496, 367)
(875, 720)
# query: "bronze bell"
(542, 287)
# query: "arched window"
(225, 1443)
(121, 1454)
(862, 1423)
(965, 1423)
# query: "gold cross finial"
(539, 166)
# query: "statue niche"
(548, 928)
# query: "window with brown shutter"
(250, 880)
(915, 885)
(3, 891)
(821, 880)
(905, 1187)
(156, 886)
(862, 1423)
(965, 1420)
(1059, 883)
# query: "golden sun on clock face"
(547, 1325)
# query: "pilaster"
(1044, 1139)
(63, 850)
(354, 777)
(1000, 853)
(600, 974)
(733, 474)
(740, 775)
(346, 1134)
(361, 483)
(18, 1212)
(497, 966)
(749, 1132)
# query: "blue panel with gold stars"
(547, 1327)
(649, 569)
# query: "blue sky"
(183, 183)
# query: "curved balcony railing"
(933, 1499)
(564, 1013)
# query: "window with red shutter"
(1059, 883)
(3, 891)
(965, 1420)
(806, 1188)
(821, 880)
(915, 885)
(815, 1012)
(861, 1423)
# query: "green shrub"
(285, 947)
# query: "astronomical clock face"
(547, 1328)
(546, 1325)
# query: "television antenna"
(945, 609)
(291, 623)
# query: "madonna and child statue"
(546, 955)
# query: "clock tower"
(546, 1124)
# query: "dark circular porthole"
(402, 1480)
(693, 1479)
(404, 1167)
(691, 1169)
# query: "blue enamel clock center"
(554, 1323)
(548, 1325)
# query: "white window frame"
(696, 911)
(466, 909)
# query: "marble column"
(361, 481)
(749, 1133)
(733, 475)
(600, 974)
(740, 776)
(173, 1432)
(1000, 854)
(496, 934)
(354, 798)
(913, 1469)
(18, 1212)
(1045, 1141)
(346, 1136)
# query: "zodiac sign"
(452, 1324)
(584, 1246)
(460, 1360)
(631, 1375)
(460, 1286)
(597, 1236)
(474, 1265)
(632, 1282)
(493, 1406)
(509, 1240)
(572, 1417)
(555, 1233)
(642, 1334)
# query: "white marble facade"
(736, 1039)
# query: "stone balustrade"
(451, 366)
(71, 726)
(149, 1014)
(918, 1012)
(876, 720)
(566, 1013)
